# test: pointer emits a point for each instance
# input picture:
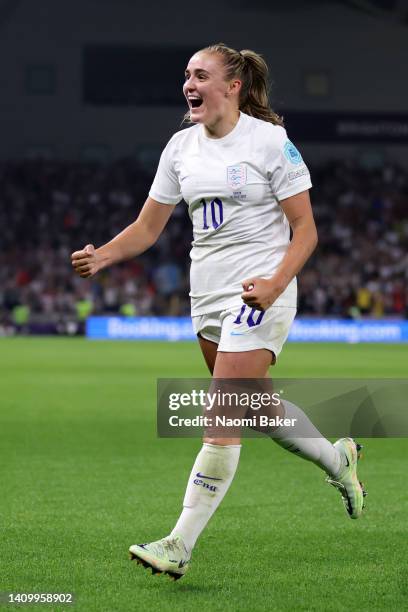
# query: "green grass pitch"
(83, 476)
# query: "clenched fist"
(86, 263)
(260, 293)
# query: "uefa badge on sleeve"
(292, 154)
(236, 176)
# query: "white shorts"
(246, 329)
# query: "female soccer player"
(245, 185)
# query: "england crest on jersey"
(236, 175)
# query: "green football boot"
(347, 482)
(168, 556)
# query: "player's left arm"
(264, 292)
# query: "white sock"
(210, 478)
(306, 441)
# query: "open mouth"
(195, 102)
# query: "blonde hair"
(252, 70)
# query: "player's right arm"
(132, 241)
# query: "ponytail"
(252, 70)
(254, 98)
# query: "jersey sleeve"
(166, 187)
(287, 172)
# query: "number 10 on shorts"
(251, 321)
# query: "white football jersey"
(232, 186)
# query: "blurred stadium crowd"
(49, 209)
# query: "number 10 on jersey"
(212, 213)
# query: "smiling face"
(211, 99)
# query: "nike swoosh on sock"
(200, 475)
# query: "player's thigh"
(209, 351)
(245, 364)
(250, 341)
(208, 330)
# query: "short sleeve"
(166, 187)
(287, 172)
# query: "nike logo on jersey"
(236, 333)
(200, 475)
